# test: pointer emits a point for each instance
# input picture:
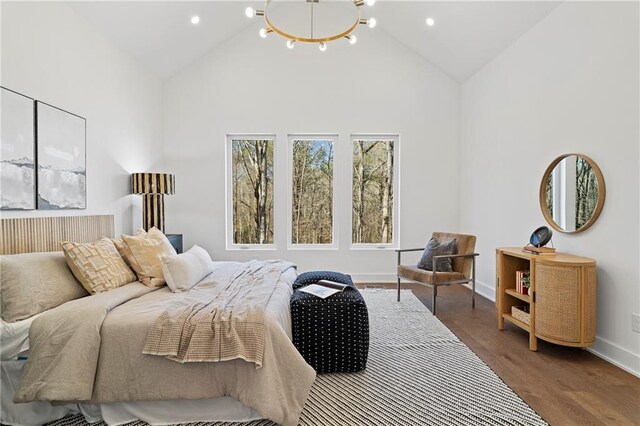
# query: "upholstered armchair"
(463, 265)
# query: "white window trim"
(395, 244)
(334, 236)
(230, 245)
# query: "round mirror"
(572, 193)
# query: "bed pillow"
(183, 271)
(31, 283)
(144, 253)
(98, 266)
(123, 248)
(434, 248)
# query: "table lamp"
(153, 187)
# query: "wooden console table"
(561, 300)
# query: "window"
(312, 191)
(374, 200)
(250, 191)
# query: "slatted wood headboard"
(37, 234)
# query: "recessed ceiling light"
(195, 20)
(430, 22)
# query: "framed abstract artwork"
(17, 151)
(62, 163)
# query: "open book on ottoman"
(325, 288)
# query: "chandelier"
(292, 38)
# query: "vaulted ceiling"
(465, 37)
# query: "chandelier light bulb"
(352, 39)
(369, 2)
(263, 33)
(195, 20)
(250, 12)
(371, 22)
(322, 47)
(291, 44)
(430, 22)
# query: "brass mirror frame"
(602, 192)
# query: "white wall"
(250, 85)
(568, 85)
(52, 54)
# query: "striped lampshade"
(153, 183)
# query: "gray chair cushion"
(436, 249)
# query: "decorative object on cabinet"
(541, 237)
(538, 240)
(153, 187)
(561, 299)
(572, 193)
(61, 154)
(17, 151)
(176, 242)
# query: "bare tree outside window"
(585, 197)
(548, 194)
(373, 191)
(312, 191)
(586, 192)
(252, 189)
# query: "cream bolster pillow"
(31, 283)
(98, 266)
(183, 271)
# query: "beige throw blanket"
(211, 324)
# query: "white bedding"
(14, 337)
(152, 412)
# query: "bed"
(127, 384)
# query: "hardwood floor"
(566, 386)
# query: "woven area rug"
(418, 373)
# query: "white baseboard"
(481, 288)
(484, 290)
(373, 278)
(616, 355)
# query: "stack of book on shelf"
(522, 282)
(539, 250)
